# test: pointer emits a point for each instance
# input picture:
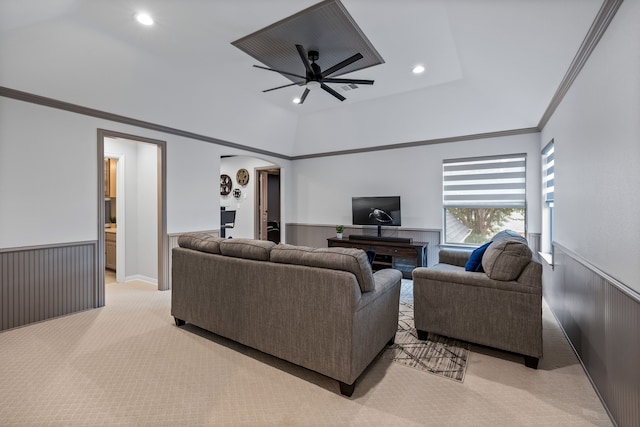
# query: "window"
(548, 178)
(482, 196)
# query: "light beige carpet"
(128, 364)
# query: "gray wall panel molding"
(600, 318)
(42, 282)
(613, 281)
(48, 246)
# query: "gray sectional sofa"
(323, 309)
(499, 307)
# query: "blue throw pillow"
(474, 263)
(371, 254)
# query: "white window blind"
(548, 172)
(485, 182)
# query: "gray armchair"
(500, 307)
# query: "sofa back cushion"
(200, 242)
(247, 248)
(509, 235)
(345, 259)
(505, 259)
(289, 254)
(352, 260)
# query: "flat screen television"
(378, 210)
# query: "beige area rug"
(437, 355)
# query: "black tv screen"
(380, 210)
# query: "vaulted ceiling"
(491, 65)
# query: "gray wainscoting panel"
(534, 242)
(601, 318)
(316, 235)
(40, 283)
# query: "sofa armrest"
(457, 257)
(385, 281)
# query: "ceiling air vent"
(348, 87)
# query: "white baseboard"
(142, 278)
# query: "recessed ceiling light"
(296, 100)
(418, 69)
(144, 18)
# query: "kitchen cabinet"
(110, 178)
(110, 250)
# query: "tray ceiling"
(325, 27)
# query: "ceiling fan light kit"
(273, 46)
(312, 85)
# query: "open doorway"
(250, 193)
(139, 196)
(268, 204)
(114, 192)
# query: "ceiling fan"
(315, 77)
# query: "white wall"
(48, 176)
(596, 130)
(192, 189)
(147, 225)
(245, 205)
(323, 187)
(42, 201)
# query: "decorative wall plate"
(237, 193)
(225, 184)
(242, 176)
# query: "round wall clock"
(242, 176)
(225, 184)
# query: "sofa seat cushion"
(505, 260)
(247, 248)
(345, 259)
(199, 241)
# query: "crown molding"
(496, 134)
(598, 27)
(86, 111)
(79, 109)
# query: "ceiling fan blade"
(280, 87)
(281, 72)
(305, 58)
(354, 81)
(304, 95)
(342, 64)
(332, 92)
